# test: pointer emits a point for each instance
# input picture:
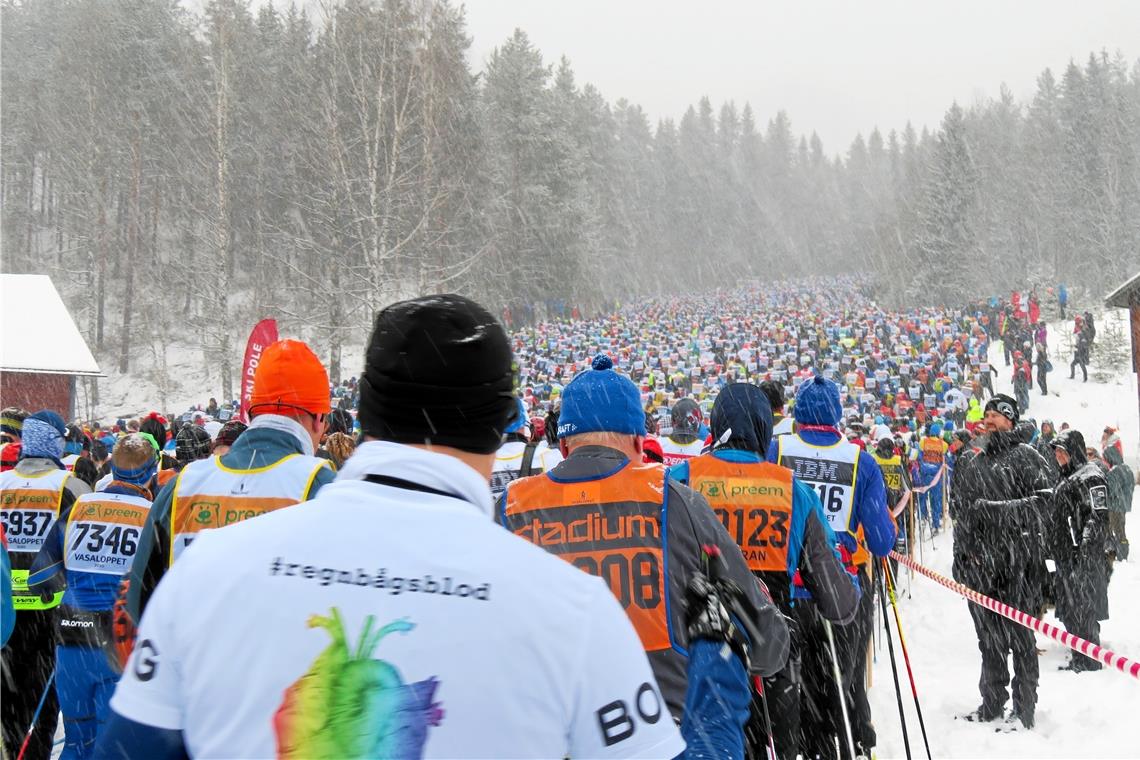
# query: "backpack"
(527, 468)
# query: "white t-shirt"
(546, 457)
(507, 467)
(784, 426)
(675, 453)
(492, 647)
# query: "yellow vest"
(208, 494)
(29, 507)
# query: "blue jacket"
(870, 506)
(93, 592)
(7, 609)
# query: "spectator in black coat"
(1078, 540)
(1081, 357)
(1001, 488)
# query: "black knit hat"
(340, 421)
(12, 421)
(1005, 406)
(192, 444)
(229, 434)
(438, 370)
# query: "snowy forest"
(239, 162)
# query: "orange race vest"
(754, 502)
(612, 527)
(861, 555)
(933, 450)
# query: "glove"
(707, 615)
(123, 628)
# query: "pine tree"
(948, 240)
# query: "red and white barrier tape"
(1076, 643)
(931, 484)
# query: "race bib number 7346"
(101, 547)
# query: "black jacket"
(1046, 452)
(1000, 493)
(1078, 533)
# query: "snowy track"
(1085, 715)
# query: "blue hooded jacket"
(817, 403)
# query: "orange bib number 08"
(633, 576)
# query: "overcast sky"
(836, 66)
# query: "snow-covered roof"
(1122, 296)
(37, 333)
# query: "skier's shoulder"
(1029, 455)
(1089, 474)
(681, 498)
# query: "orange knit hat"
(289, 378)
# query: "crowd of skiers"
(736, 468)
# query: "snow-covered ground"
(1085, 715)
(1079, 715)
(188, 380)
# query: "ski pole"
(910, 535)
(759, 681)
(910, 550)
(713, 564)
(920, 523)
(36, 716)
(906, 658)
(839, 685)
(894, 666)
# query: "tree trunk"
(57, 218)
(101, 287)
(43, 195)
(222, 237)
(134, 259)
(29, 224)
(336, 325)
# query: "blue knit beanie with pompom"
(600, 400)
(817, 403)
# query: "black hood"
(743, 409)
(1074, 443)
(686, 417)
(1024, 431)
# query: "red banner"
(264, 333)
